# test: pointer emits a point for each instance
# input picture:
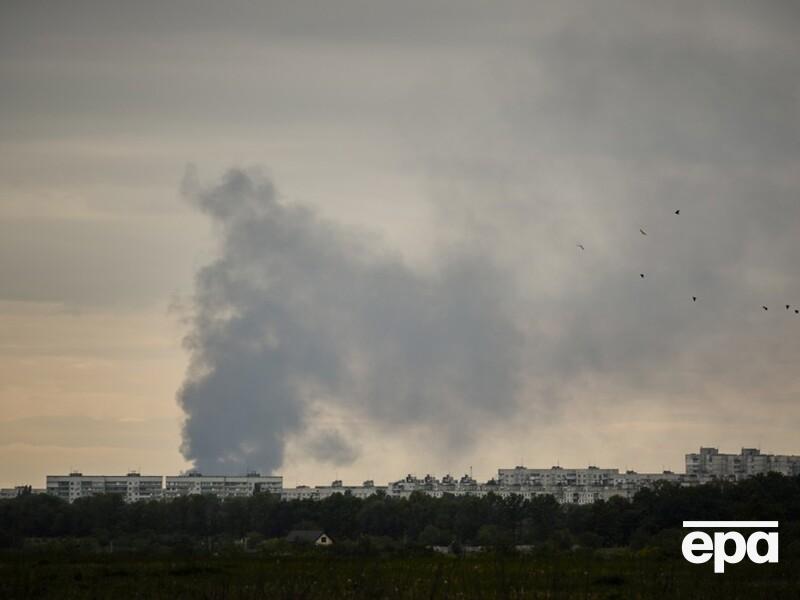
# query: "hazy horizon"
(354, 240)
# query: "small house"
(311, 537)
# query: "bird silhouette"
(580, 246)
(642, 231)
(641, 275)
(797, 311)
(694, 298)
(765, 308)
(677, 212)
(788, 306)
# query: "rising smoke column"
(296, 308)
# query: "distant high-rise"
(224, 486)
(132, 487)
(749, 462)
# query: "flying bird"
(694, 298)
(788, 306)
(641, 275)
(580, 246)
(765, 308)
(797, 311)
(677, 212)
(642, 231)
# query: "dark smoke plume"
(297, 310)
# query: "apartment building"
(566, 485)
(556, 476)
(223, 486)
(132, 487)
(320, 492)
(19, 490)
(711, 463)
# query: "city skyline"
(749, 461)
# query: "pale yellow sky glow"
(498, 133)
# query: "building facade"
(320, 492)
(566, 485)
(710, 463)
(20, 490)
(132, 487)
(223, 486)
(556, 476)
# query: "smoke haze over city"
(359, 240)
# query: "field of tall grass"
(318, 576)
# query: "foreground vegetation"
(653, 518)
(202, 547)
(323, 575)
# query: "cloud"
(297, 309)
(614, 117)
(75, 431)
(331, 446)
(531, 127)
(92, 263)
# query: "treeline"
(653, 518)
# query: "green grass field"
(325, 576)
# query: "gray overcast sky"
(416, 175)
